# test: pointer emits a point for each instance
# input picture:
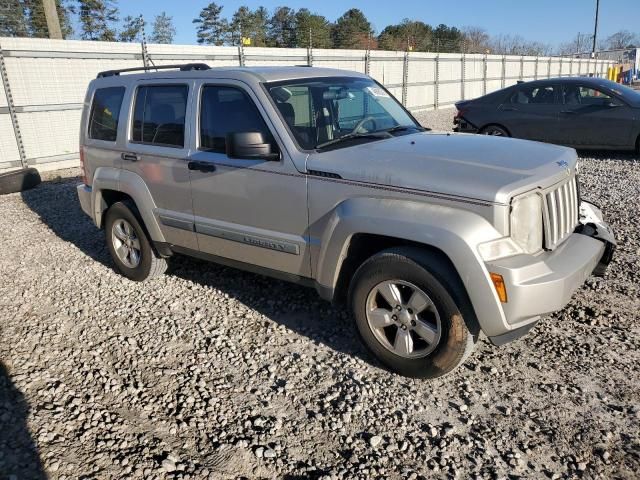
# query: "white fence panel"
(48, 79)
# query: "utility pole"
(595, 29)
(51, 14)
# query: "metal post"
(310, 50)
(484, 74)
(535, 73)
(367, 57)
(145, 54)
(522, 67)
(463, 67)
(51, 15)
(504, 70)
(405, 78)
(549, 68)
(595, 29)
(12, 110)
(436, 92)
(560, 73)
(571, 67)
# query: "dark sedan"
(579, 112)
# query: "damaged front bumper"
(592, 224)
(541, 284)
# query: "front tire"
(129, 245)
(403, 303)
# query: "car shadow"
(19, 457)
(298, 308)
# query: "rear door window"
(539, 95)
(159, 115)
(103, 120)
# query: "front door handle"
(130, 157)
(508, 109)
(567, 111)
(202, 166)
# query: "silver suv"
(321, 177)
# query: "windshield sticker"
(377, 92)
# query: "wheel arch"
(359, 230)
(112, 185)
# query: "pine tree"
(312, 27)
(352, 30)
(282, 28)
(163, 29)
(249, 24)
(13, 19)
(97, 18)
(212, 28)
(131, 29)
(38, 21)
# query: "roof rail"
(184, 67)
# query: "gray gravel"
(209, 372)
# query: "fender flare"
(453, 231)
(131, 184)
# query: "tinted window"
(103, 121)
(159, 112)
(580, 95)
(226, 110)
(535, 95)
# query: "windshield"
(322, 111)
(626, 93)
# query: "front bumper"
(541, 284)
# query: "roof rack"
(185, 67)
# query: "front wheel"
(128, 244)
(406, 315)
(494, 130)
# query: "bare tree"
(516, 45)
(477, 39)
(621, 39)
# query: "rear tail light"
(460, 113)
(83, 169)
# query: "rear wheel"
(495, 131)
(403, 303)
(129, 245)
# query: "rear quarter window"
(105, 110)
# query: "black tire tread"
(156, 264)
(19, 180)
(463, 323)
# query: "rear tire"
(19, 180)
(495, 130)
(129, 244)
(426, 341)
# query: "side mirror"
(250, 146)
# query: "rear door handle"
(202, 166)
(508, 109)
(567, 111)
(130, 157)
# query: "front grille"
(560, 213)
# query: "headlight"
(526, 223)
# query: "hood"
(480, 167)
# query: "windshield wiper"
(350, 136)
(402, 128)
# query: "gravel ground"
(209, 372)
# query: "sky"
(548, 21)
